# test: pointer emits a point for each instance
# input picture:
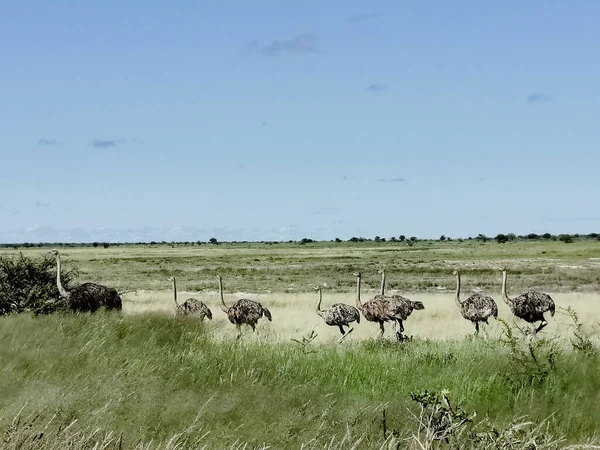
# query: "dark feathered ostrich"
(340, 315)
(373, 310)
(191, 307)
(477, 308)
(397, 307)
(529, 306)
(87, 296)
(243, 311)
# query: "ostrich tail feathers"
(267, 314)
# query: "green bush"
(29, 284)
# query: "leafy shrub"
(29, 284)
(566, 238)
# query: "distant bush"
(566, 238)
(29, 284)
(501, 238)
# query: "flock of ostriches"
(529, 306)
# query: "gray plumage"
(340, 315)
(243, 311)
(476, 308)
(190, 307)
(529, 306)
(87, 296)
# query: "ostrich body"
(384, 308)
(529, 306)
(243, 311)
(477, 308)
(397, 307)
(87, 296)
(340, 315)
(191, 307)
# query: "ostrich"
(477, 308)
(397, 307)
(87, 296)
(372, 310)
(340, 315)
(243, 311)
(529, 306)
(191, 307)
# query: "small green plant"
(438, 419)
(581, 340)
(533, 358)
(305, 341)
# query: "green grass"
(149, 377)
(549, 265)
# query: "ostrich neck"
(358, 303)
(61, 289)
(458, 302)
(175, 293)
(319, 312)
(382, 290)
(221, 295)
(505, 296)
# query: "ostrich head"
(502, 269)
(53, 251)
(171, 278)
(357, 274)
(455, 273)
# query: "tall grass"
(147, 378)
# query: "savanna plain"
(145, 379)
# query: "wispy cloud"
(302, 44)
(41, 204)
(48, 142)
(392, 180)
(538, 97)
(325, 212)
(347, 177)
(363, 17)
(377, 87)
(106, 143)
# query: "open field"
(149, 377)
(262, 268)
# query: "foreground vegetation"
(292, 267)
(148, 378)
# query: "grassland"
(142, 379)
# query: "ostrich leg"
(350, 330)
(542, 325)
(382, 329)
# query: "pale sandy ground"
(294, 315)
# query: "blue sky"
(140, 120)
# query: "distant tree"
(546, 236)
(566, 238)
(502, 239)
(338, 240)
(306, 241)
(377, 239)
(353, 239)
(442, 238)
(393, 239)
(95, 244)
(511, 236)
(532, 236)
(213, 241)
(106, 245)
(482, 237)
(401, 238)
(413, 239)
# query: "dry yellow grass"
(294, 314)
